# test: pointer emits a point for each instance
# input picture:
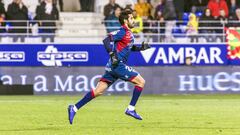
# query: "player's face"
(130, 21)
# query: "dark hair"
(124, 16)
(116, 7)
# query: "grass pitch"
(163, 115)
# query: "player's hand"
(114, 59)
(145, 46)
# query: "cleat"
(133, 114)
(71, 113)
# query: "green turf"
(163, 115)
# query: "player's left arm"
(107, 44)
(143, 47)
(113, 37)
(113, 56)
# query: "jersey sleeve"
(117, 35)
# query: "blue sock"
(136, 93)
(88, 97)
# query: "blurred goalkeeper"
(116, 68)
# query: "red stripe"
(105, 80)
(132, 78)
(124, 42)
(92, 94)
(138, 88)
(120, 46)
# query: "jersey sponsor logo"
(12, 56)
(52, 57)
(114, 32)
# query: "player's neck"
(126, 26)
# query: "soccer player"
(116, 68)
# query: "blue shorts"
(122, 71)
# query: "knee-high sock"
(88, 97)
(136, 93)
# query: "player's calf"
(72, 109)
(101, 87)
(139, 84)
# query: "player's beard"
(130, 25)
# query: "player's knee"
(141, 83)
(98, 92)
(101, 87)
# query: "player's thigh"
(139, 81)
(126, 73)
(109, 78)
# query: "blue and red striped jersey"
(123, 40)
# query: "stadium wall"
(75, 69)
(159, 80)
